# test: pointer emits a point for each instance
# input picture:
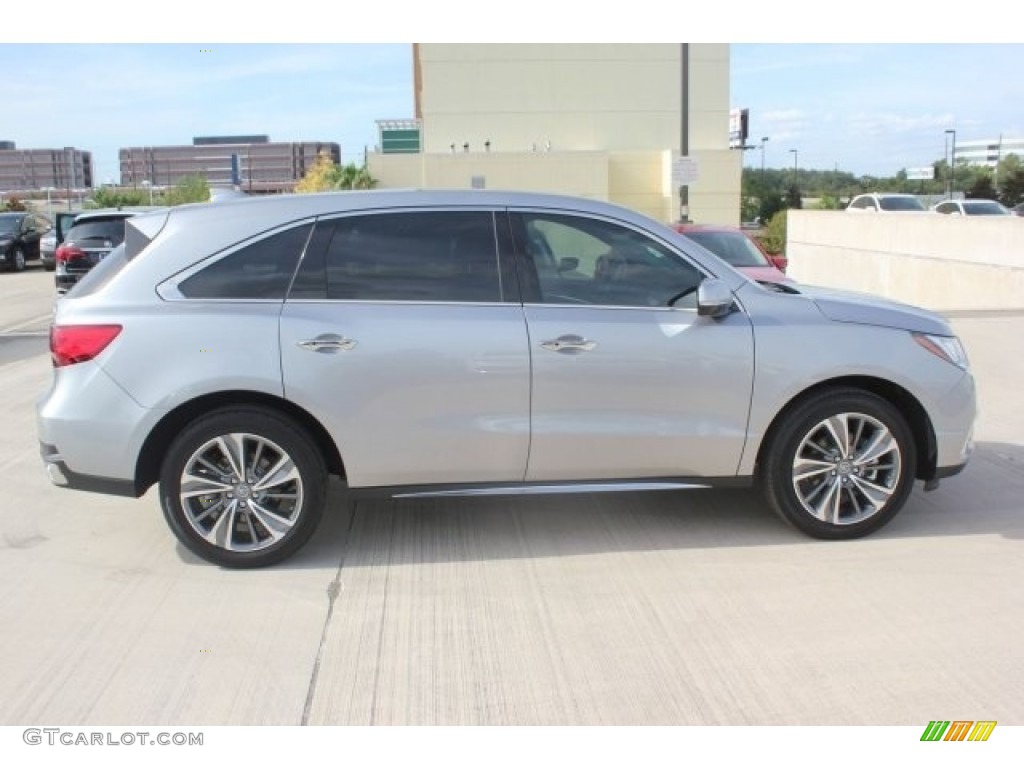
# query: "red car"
(739, 250)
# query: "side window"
(579, 260)
(414, 256)
(260, 270)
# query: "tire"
(243, 522)
(834, 490)
(49, 267)
(18, 259)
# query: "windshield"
(983, 208)
(734, 248)
(101, 229)
(900, 204)
(9, 224)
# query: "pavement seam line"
(333, 590)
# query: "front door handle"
(570, 344)
(327, 343)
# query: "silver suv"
(441, 343)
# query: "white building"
(988, 151)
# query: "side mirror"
(568, 263)
(714, 299)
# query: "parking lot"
(694, 608)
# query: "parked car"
(1018, 210)
(20, 233)
(62, 221)
(971, 208)
(738, 249)
(463, 343)
(885, 202)
(93, 235)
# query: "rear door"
(403, 333)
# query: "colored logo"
(958, 730)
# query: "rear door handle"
(327, 343)
(570, 344)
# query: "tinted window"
(415, 256)
(734, 248)
(98, 229)
(589, 261)
(901, 204)
(10, 223)
(983, 208)
(260, 270)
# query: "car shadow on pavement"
(983, 500)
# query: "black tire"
(833, 496)
(50, 267)
(248, 522)
(18, 259)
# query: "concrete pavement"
(655, 608)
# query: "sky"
(870, 109)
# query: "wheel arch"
(147, 467)
(909, 407)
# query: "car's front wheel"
(243, 487)
(18, 259)
(840, 465)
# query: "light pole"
(796, 175)
(148, 185)
(952, 164)
(764, 140)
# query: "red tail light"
(70, 344)
(66, 253)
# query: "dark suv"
(93, 236)
(20, 233)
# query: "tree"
(1011, 181)
(326, 175)
(322, 176)
(191, 189)
(111, 197)
(982, 187)
(793, 198)
(774, 236)
(353, 176)
(13, 203)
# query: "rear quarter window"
(259, 270)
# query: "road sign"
(684, 171)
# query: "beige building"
(600, 121)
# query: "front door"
(628, 381)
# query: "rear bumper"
(63, 477)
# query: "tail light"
(70, 344)
(66, 253)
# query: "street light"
(148, 185)
(764, 140)
(796, 176)
(952, 164)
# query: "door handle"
(570, 344)
(327, 343)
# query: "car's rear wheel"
(243, 487)
(840, 465)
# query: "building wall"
(25, 170)
(270, 166)
(589, 119)
(934, 261)
(988, 151)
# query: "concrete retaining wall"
(931, 260)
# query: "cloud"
(881, 123)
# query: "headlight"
(946, 347)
